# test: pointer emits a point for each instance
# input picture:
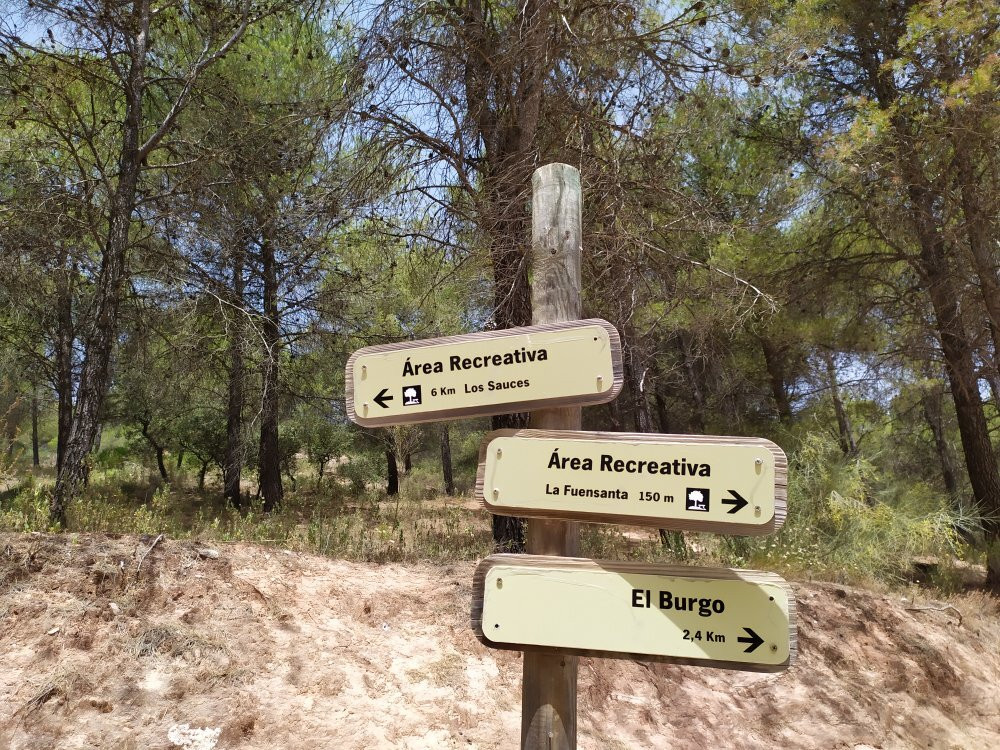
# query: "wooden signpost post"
(730, 485)
(550, 603)
(548, 683)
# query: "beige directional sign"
(728, 485)
(734, 619)
(494, 372)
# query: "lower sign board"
(729, 485)
(734, 619)
(515, 369)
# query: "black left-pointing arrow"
(382, 397)
(737, 501)
(754, 640)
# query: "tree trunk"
(446, 468)
(990, 371)
(232, 462)
(63, 358)
(407, 463)
(640, 407)
(934, 264)
(158, 449)
(269, 458)
(978, 232)
(694, 383)
(663, 423)
(180, 459)
(96, 371)
(392, 474)
(286, 467)
(508, 531)
(100, 340)
(201, 474)
(931, 402)
(508, 534)
(506, 116)
(634, 380)
(980, 459)
(506, 121)
(11, 434)
(160, 465)
(774, 362)
(662, 414)
(846, 434)
(34, 427)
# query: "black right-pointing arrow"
(737, 501)
(382, 397)
(754, 640)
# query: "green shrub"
(423, 482)
(465, 452)
(846, 523)
(363, 471)
(27, 510)
(111, 458)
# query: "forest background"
(790, 215)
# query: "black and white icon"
(696, 498)
(411, 395)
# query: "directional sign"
(728, 485)
(495, 372)
(734, 619)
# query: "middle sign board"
(720, 484)
(495, 372)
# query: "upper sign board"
(729, 485)
(734, 619)
(495, 372)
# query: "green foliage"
(321, 439)
(27, 510)
(202, 433)
(113, 457)
(465, 450)
(364, 471)
(846, 522)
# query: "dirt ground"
(106, 646)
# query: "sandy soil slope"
(271, 649)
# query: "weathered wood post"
(548, 694)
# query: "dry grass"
(61, 687)
(442, 672)
(175, 642)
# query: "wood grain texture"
(510, 406)
(674, 571)
(548, 684)
(780, 479)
